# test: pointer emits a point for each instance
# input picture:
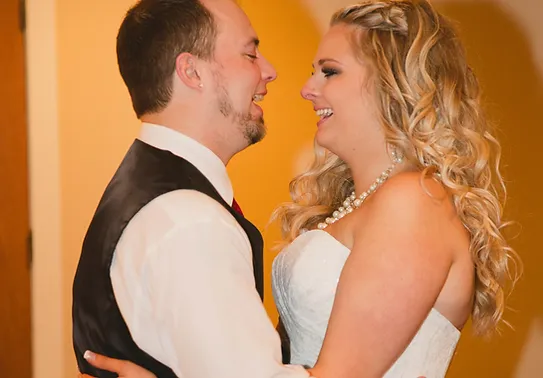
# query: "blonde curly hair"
(431, 112)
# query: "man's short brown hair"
(152, 35)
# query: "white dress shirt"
(182, 275)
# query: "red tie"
(236, 207)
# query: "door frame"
(48, 323)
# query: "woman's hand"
(123, 368)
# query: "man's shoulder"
(185, 213)
(187, 206)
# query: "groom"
(170, 274)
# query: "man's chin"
(255, 131)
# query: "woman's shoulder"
(410, 190)
(409, 199)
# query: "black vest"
(145, 173)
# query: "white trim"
(44, 178)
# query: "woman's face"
(343, 94)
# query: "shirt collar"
(195, 153)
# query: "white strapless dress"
(305, 277)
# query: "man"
(170, 273)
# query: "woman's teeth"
(323, 113)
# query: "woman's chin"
(322, 138)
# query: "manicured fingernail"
(89, 356)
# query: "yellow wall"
(81, 123)
(261, 174)
(96, 125)
(505, 46)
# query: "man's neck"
(196, 129)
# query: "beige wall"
(48, 319)
(81, 123)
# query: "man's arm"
(201, 301)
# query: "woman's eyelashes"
(328, 72)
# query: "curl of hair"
(431, 112)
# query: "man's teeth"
(258, 98)
(325, 112)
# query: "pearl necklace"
(351, 202)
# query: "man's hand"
(123, 368)
(313, 376)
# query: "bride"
(394, 236)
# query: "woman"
(401, 207)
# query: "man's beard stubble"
(253, 130)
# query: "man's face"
(240, 72)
